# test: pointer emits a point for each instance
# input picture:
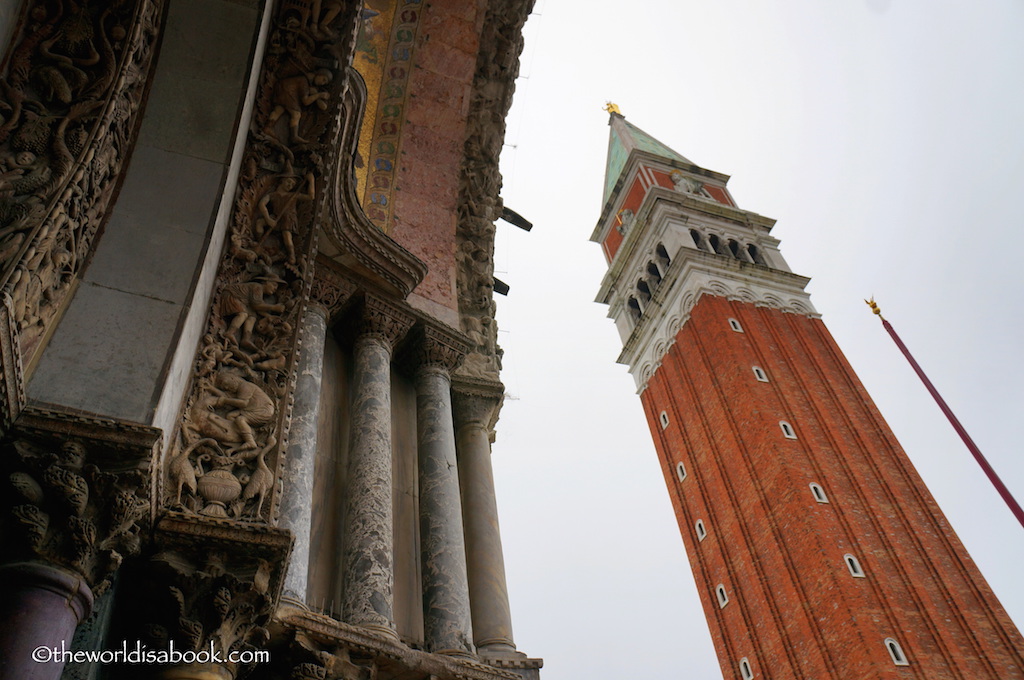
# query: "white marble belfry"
(447, 619)
(369, 525)
(297, 497)
(492, 619)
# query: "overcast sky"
(885, 137)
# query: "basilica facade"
(249, 375)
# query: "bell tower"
(817, 549)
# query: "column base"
(380, 630)
(498, 648)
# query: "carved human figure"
(279, 210)
(249, 406)
(687, 185)
(244, 302)
(292, 94)
(324, 13)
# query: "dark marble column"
(476, 408)
(369, 523)
(447, 620)
(297, 499)
(40, 607)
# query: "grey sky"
(884, 136)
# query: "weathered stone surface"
(475, 410)
(297, 499)
(369, 560)
(447, 621)
(109, 372)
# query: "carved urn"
(218, 488)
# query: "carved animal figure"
(262, 479)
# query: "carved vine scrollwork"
(226, 458)
(61, 507)
(69, 99)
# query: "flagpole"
(975, 451)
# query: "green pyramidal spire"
(623, 138)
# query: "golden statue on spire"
(611, 107)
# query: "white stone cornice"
(693, 274)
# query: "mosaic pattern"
(384, 50)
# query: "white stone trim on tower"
(667, 218)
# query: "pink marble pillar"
(40, 607)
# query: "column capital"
(330, 290)
(378, 318)
(435, 347)
(476, 401)
(78, 491)
(211, 584)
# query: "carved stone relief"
(73, 499)
(69, 102)
(497, 67)
(226, 458)
(211, 584)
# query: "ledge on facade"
(42, 418)
(394, 660)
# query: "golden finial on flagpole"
(611, 107)
(874, 307)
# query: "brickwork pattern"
(795, 610)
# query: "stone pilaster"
(368, 561)
(447, 619)
(297, 498)
(476, 405)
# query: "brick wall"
(795, 610)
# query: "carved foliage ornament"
(226, 457)
(60, 506)
(210, 585)
(69, 100)
(203, 606)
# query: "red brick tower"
(818, 551)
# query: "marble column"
(368, 560)
(296, 512)
(447, 619)
(40, 607)
(476, 410)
